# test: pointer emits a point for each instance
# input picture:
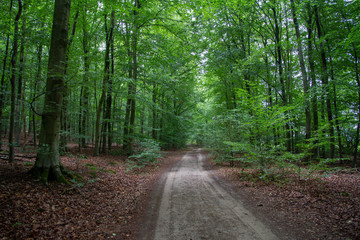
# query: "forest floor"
(324, 206)
(107, 203)
(110, 203)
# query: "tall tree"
(21, 84)
(13, 84)
(129, 124)
(109, 38)
(312, 75)
(48, 165)
(303, 73)
(325, 80)
(2, 83)
(84, 92)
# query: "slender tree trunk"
(288, 74)
(325, 82)
(19, 102)
(104, 128)
(84, 92)
(131, 104)
(154, 112)
(2, 87)
(47, 165)
(313, 92)
(278, 51)
(107, 113)
(126, 141)
(110, 99)
(13, 84)
(303, 74)
(109, 34)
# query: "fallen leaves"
(107, 205)
(326, 207)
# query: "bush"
(147, 152)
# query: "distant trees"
(295, 82)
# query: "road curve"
(194, 206)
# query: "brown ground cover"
(106, 202)
(324, 206)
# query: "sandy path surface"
(193, 206)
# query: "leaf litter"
(321, 207)
(104, 202)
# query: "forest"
(257, 82)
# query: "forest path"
(190, 205)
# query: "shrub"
(147, 152)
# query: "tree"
(109, 42)
(48, 165)
(13, 84)
(303, 73)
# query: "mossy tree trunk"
(47, 165)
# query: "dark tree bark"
(107, 112)
(84, 93)
(13, 84)
(109, 97)
(2, 83)
(131, 103)
(21, 83)
(278, 51)
(325, 82)
(312, 76)
(336, 112)
(47, 165)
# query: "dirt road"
(191, 205)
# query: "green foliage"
(146, 153)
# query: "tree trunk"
(2, 87)
(13, 84)
(278, 54)
(107, 113)
(84, 92)
(19, 97)
(313, 92)
(303, 73)
(154, 112)
(131, 104)
(109, 34)
(325, 82)
(47, 165)
(109, 99)
(126, 141)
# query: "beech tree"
(48, 165)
